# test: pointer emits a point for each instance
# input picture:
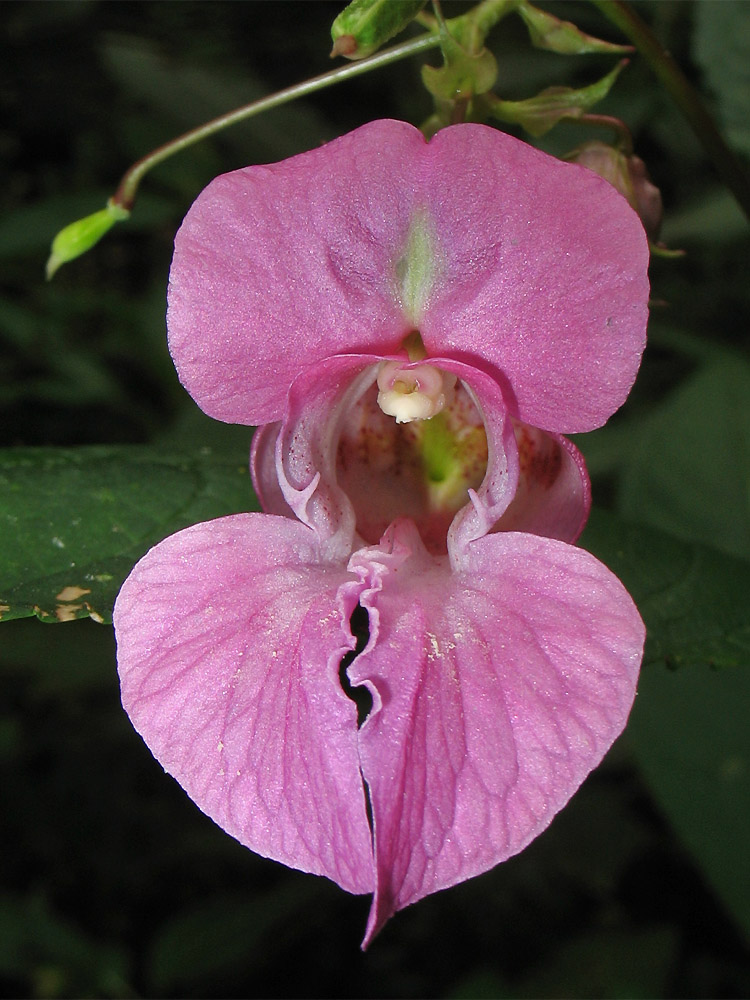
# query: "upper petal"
(279, 266)
(544, 278)
(229, 638)
(502, 256)
(496, 690)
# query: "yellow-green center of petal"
(418, 266)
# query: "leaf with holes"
(73, 522)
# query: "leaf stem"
(684, 95)
(124, 196)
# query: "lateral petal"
(496, 690)
(229, 639)
(554, 493)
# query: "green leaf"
(73, 522)
(549, 32)
(606, 962)
(690, 735)
(364, 25)
(693, 599)
(52, 957)
(688, 470)
(689, 725)
(229, 932)
(712, 216)
(722, 48)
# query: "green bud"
(549, 32)
(365, 25)
(80, 236)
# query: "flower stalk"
(125, 194)
(80, 236)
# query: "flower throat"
(413, 446)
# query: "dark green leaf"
(693, 599)
(73, 522)
(607, 963)
(37, 944)
(687, 472)
(722, 48)
(690, 734)
(227, 934)
(689, 725)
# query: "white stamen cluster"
(413, 393)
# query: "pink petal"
(535, 271)
(279, 266)
(554, 493)
(496, 690)
(545, 276)
(306, 447)
(230, 635)
(263, 471)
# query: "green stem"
(124, 196)
(621, 130)
(684, 95)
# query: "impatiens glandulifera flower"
(414, 326)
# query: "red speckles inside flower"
(422, 469)
(539, 457)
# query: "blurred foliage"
(113, 884)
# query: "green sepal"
(362, 27)
(464, 74)
(548, 32)
(78, 237)
(471, 29)
(539, 114)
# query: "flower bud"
(80, 236)
(629, 176)
(364, 25)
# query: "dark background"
(112, 884)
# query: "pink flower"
(415, 326)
